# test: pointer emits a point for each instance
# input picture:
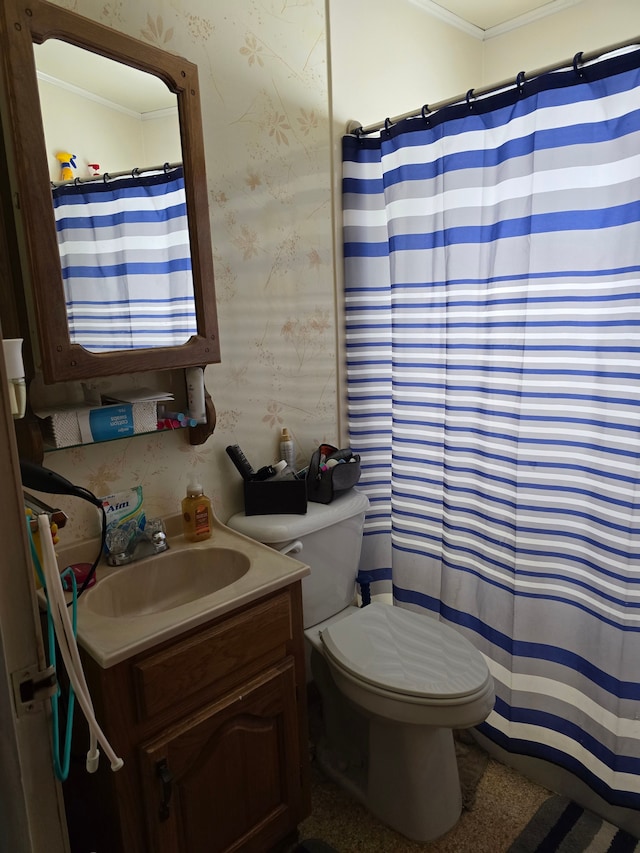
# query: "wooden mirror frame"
(23, 23)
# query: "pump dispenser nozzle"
(194, 489)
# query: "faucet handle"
(155, 530)
(117, 540)
(154, 525)
(128, 542)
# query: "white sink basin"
(168, 580)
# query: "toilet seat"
(407, 657)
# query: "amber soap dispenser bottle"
(197, 515)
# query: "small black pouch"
(325, 482)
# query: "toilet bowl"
(393, 683)
(409, 680)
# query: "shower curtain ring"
(576, 59)
(106, 177)
(520, 82)
(468, 97)
(426, 112)
(135, 172)
(166, 168)
(387, 125)
(76, 181)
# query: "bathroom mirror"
(23, 27)
(112, 137)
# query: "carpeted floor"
(504, 804)
(314, 845)
(498, 804)
(509, 814)
(503, 812)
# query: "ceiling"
(140, 93)
(487, 18)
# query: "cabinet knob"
(166, 777)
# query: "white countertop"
(112, 639)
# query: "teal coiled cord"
(61, 768)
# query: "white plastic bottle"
(283, 471)
(287, 450)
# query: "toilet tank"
(330, 536)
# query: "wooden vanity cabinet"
(212, 728)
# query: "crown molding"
(549, 8)
(449, 18)
(105, 102)
(84, 93)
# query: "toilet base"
(413, 783)
(405, 775)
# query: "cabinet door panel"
(229, 775)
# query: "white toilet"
(393, 683)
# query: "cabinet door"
(227, 778)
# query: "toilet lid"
(405, 652)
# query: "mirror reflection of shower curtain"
(126, 262)
(492, 315)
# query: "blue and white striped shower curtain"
(126, 261)
(492, 266)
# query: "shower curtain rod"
(354, 127)
(107, 176)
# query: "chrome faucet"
(128, 543)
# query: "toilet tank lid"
(284, 528)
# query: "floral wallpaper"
(263, 80)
